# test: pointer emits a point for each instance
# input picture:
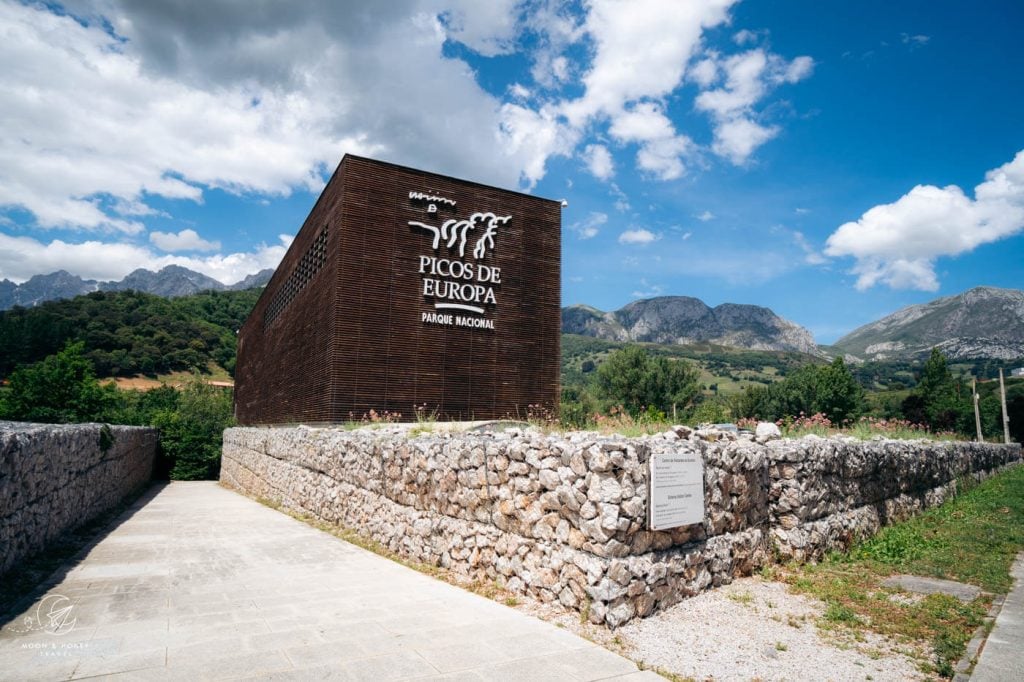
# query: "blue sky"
(831, 161)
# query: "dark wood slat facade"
(339, 329)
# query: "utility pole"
(1002, 399)
(977, 415)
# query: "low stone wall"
(54, 478)
(827, 492)
(563, 517)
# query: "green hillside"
(127, 333)
(723, 370)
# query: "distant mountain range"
(686, 321)
(983, 322)
(170, 282)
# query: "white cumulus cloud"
(749, 76)
(120, 102)
(661, 148)
(128, 101)
(22, 257)
(641, 50)
(625, 81)
(744, 37)
(638, 236)
(186, 240)
(737, 139)
(599, 161)
(663, 157)
(897, 244)
(485, 27)
(534, 136)
(590, 226)
(83, 118)
(704, 72)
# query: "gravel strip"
(752, 629)
(755, 629)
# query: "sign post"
(1002, 402)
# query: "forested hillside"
(127, 333)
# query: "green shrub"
(191, 434)
(107, 437)
(577, 408)
(840, 613)
(710, 411)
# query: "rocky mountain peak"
(170, 281)
(686, 320)
(980, 322)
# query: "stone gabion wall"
(563, 517)
(825, 493)
(54, 478)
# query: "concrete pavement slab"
(1002, 657)
(197, 582)
(922, 585)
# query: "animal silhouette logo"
(454, 232)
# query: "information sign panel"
(676, 490)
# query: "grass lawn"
(972, 539)
(213, 372)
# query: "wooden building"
(407, 291)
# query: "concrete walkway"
(199, 583)
(1002, 657)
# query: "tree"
(753, 402)
(637, 381)
(63, 388)
(139, 408)
(831, 390)
(942, 401)
(60, 388)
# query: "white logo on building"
(453, 282)
(455, 232)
